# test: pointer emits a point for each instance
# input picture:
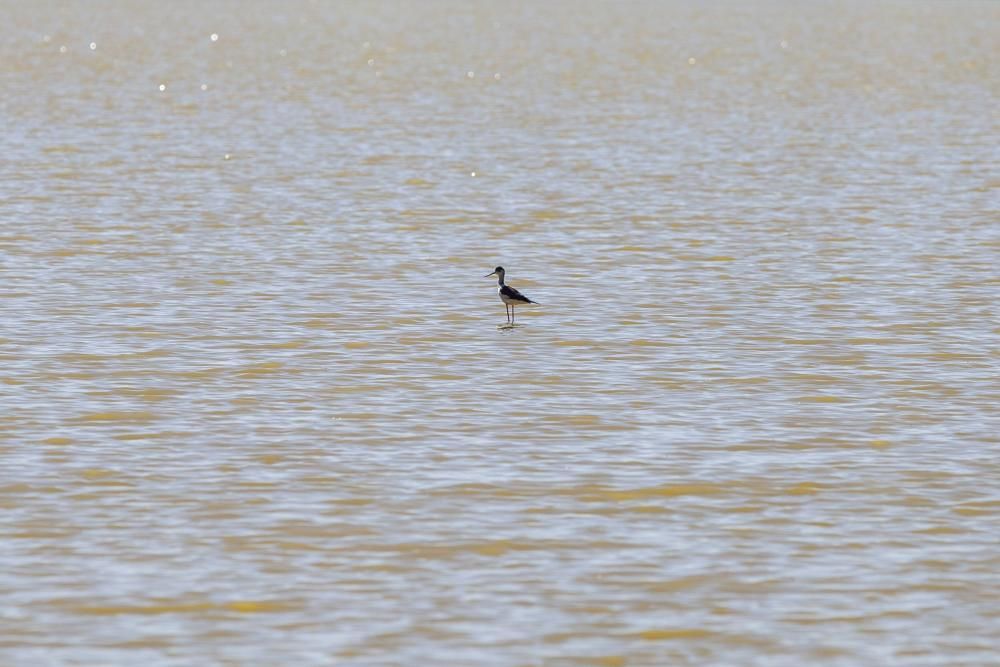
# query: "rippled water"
(257, 405)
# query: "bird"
(508, 294)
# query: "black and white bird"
(508, 294)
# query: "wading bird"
(508, 294)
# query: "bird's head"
(496, 272)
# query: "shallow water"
(257, 405)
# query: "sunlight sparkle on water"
(215, 37)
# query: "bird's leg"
(512, 313)
(506, 309)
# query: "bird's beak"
(490, 274)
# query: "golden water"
(256, 409)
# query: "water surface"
(257, 408)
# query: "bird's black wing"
(512, 293)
